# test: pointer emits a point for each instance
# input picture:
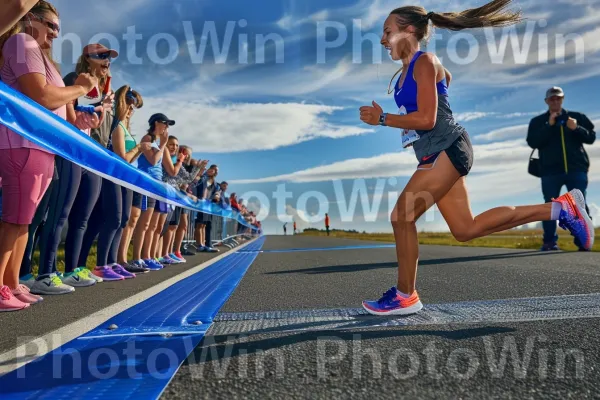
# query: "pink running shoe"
(107, 274)
(575, 219)
(8, 302)
(24, 295)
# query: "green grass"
(60, 258)
(525, 239)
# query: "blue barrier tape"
(139, 358)
(44, 128)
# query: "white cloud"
(385, 165)
(510, 132)
(472, 115)
(496, 165)
(215, 127)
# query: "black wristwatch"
(382, 118)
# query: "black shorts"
(176, 216)
(137, 200)
(460, 154)
(203, 218)
(143, 202)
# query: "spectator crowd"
(42, 192)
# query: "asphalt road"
(540, 358)
(57, 311)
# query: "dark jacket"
(202, 187)
(561, 150)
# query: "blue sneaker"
(392, 303)
(152, 265)
(574, 218)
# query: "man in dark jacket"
(559, 136)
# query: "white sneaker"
(78, 279)
(50, 285)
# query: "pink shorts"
(26, 175)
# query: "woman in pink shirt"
(25, 168)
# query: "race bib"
(409, 136)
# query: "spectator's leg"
(551, 186)
(93, 229)
(34, 231)
(157, 234)
(112, 212)
(207, 233)
(140, 249)
(126, 199)
(173, 230)
(199, 235)
(181, 230)
(128, 235)
(578, 180)
(26, 175)
(85, 201)
(165, 233)
(61, 202)
(149, 239)
(139, 233)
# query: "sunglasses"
(101, 56)
(49, 24)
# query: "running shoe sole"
(415, 308)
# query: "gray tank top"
(443, 134)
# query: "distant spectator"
(559, 136)
(234, 202)
(225, 201)
(206, 190)
(327, 223)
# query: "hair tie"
(429, 15)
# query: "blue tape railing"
(44, 128)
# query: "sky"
(271, 94)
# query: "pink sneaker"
(23, 294)
(8, 302)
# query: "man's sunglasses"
(101, 56)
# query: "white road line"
(35, 347)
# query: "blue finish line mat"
(355, 247)
(135, 354)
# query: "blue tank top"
(446, 129)
(406, 96)
(154, 171)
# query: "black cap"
(160, 118)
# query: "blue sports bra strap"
(414, 60)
